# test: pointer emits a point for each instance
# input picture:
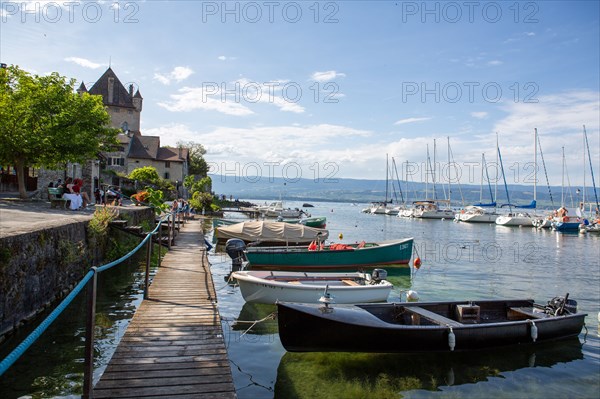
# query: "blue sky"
(326, 89)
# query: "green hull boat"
(318, 222)
(353, 257)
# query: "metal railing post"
(173, 227)
(90, 327)
(169, 227)
(148, 260)
(159, 244)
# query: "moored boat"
(332, 257)
(316, 222)
(270, 233)
(424, 327)
(272, 286)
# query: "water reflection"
(379, 375)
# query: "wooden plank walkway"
(174, 346)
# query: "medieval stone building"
(134, 150)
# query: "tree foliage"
(44, 122)
(198, 165)
(147, 174)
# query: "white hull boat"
(271, 286)
(519, 219)
(475, 214)
(434, 214)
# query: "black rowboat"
(425, 327)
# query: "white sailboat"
(478, 213)
(380, 208)
(521, 218)
(430, 208)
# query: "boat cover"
(271, 232)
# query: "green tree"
(147, 174)
(198, 165)
(44, 122)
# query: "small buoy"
(534, 331)
(451, 340)
(341, 236)
(417, 263)
(412, 296)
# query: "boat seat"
(297, 282)
(350, 282)
(520, 313)
(434, 317)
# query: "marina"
(468, 261)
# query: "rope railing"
(88, 279)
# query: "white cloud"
(234, 98)
(83, 62)
(192, 98)
(479, 115)
(222, 58)
(530, 33)
(495, 62)
(410, 120)
(177, 74)
(326, 76)
(559, 119)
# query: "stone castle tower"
(123, 106)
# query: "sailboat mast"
(449, 174)
(583, 188)
(433, 171)
(481, 180)
(387, 168)
(497, 174)
(535, 168)
(562, 190)
(427, 167)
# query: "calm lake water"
(460, 261)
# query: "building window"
(115, 161)
(117, 110)
(167, 164)
(167, 175)
(130, 112)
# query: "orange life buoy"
(417, 263)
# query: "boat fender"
(451, 339)
(412, 296)
(534, 331)
(341, 236)
(417, 263)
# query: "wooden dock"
(174, 346)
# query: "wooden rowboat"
(424, 327)
(273, 286)
(330, 257)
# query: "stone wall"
(39, 267)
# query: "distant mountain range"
(357, 190)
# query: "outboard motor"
(559, 305)
(378, 275)
(235, 249)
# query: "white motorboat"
(430, 210)
(476, 214)
(516, 219)
(272, 286)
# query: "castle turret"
(137, 100)
(82, 89)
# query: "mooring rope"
(271, 316)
